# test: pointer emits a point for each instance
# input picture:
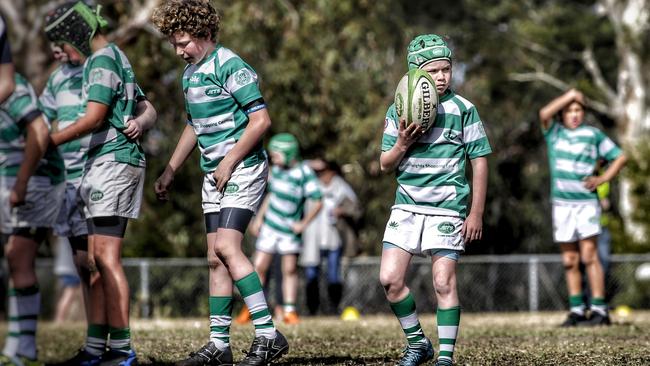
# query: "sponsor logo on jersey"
(194, 79)
(242, 77)
(393, 225)
(231, 189)
(213, 92)
(446, 227)
(96, 195)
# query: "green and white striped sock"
(577, 305)
(120, 339)
(289, 307)
(405, 312)
(96, 339)
(24, 307)
(220, 320)
(250, 289)
(599, 306)
(448, 322)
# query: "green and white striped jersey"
(20, 109)
(431, 176)
(572, 156)
(288, 190)
(109, 79)
(61, 102)
(216, 91)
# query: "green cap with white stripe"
(287, 145)
(427, 48)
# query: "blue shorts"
(69, 280)
(446, 253)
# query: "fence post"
(144, 289)
(533, 283)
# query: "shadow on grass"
(332, 360)
(329, 360)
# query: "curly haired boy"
(227, 118)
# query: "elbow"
(95, 123)
(265, 124)
(384, 168)
(153, 114)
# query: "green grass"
(485, 339)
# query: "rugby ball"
(416, 98)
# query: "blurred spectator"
(605, 237)
(329, 235)
(69, 282)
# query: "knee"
(106, 258)
(571, 261)
(443, 286)
(213, 261)
(589, 257)
(290, 271)
(220, 251)
(390, 282)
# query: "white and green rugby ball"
(416, 98)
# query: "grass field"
(485, 339)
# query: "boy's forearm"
(35, 147)
(479, 185)
(146, 114)
(555, 106)
(94, 117)
(313, 212)
(259, 122)
(389, 160)
(186, 144)
(82, 127)
(614, 168)
(7, 82)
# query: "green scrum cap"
(75, 24)
(427, 48)
(287, 145)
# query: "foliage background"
(328, 71)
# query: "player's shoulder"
(224, 55)
(464, 101)
(65, 72)
(454, 103)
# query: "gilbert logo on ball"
(416, 98)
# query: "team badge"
(242, 77)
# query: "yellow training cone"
(350, 313)
(623, 311)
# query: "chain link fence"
(178, 287)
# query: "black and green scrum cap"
(75, 24)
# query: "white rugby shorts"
(421, 234)
(42, 204)
(245, 189)
(273, 241)
(575, 221)
(71, 220)
(112, 188)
